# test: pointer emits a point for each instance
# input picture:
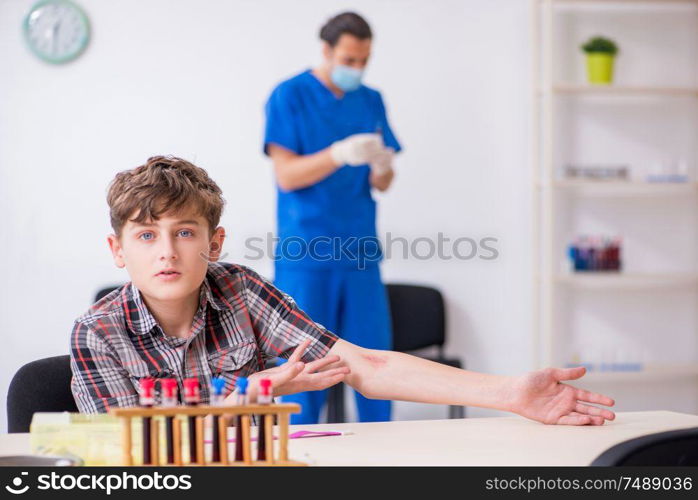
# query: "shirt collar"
(141, 321)
(207, 294)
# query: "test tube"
(617, 259)
(593, 254)
(241, 387)
(192, 397)
(169, 400)
(217, 386)
(147, 400)
(264, 398)
(572, 254)
(582, 263)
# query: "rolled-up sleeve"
(100, 381)
(280, 325)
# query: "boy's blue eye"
(146, 236)
(186, 233)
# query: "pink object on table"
(312, 434)
(300, 435)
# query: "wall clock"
(57, 31)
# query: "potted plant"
(600, 56)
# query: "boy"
(184, 314)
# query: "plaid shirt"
(242, 321)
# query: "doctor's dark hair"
(346, 22)
(164, 185)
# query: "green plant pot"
(600, 68)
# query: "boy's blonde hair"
(164, 185)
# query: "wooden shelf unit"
(548, 277)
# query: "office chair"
(673, 448)
(418, 315)
(105, 291)
(42, 385)
(419, 321)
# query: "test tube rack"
(267, 413)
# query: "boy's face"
(167, 259)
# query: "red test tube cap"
(191, 389)
(147, 386)
(265, 384)
(146, 391)
(169, 387)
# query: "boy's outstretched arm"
(538, 395)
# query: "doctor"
(330, 142)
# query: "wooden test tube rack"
(265, 412)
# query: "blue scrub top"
(332, 222)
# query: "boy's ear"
(116, 251)
(215, 247)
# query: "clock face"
(57, 31)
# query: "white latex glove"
(357, 149)
(383, 162)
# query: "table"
(498, 441)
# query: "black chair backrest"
(42, 385)
(104, 292)
(664, 448)
(418, 315)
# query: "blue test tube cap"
(281, 361)
(241, 384)
(217, 384)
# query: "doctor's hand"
(541, 396)
(357, 149)
(381, 181)
(382, 162)
(295, 376)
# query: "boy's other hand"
(295, 376)
(541, 396)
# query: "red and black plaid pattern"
(242, 321)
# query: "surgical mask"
(346, 78)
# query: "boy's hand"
(295, 376)
(541, 396)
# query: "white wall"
(190, 78)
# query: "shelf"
(649, 374)
(565, 298)
(627, 281)
(628, 188)
(624, 90)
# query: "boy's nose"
(167, 251)
(168, 255)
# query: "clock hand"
(54, 34)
